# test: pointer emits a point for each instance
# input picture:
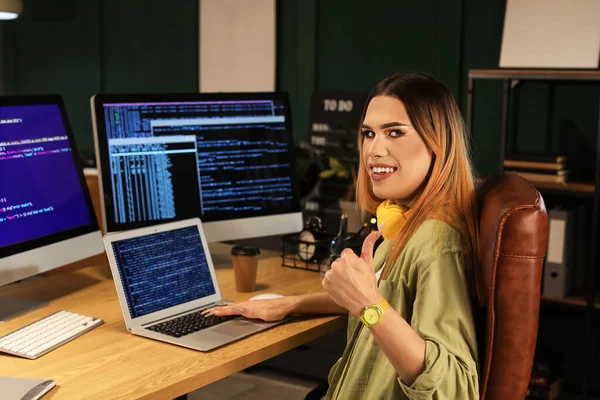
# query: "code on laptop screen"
(162, 270)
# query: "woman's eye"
(368, 134)
(396, 133)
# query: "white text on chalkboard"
(320, 127)
(337, 105)
(318, 141)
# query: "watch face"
(371, 316)
(305, 250)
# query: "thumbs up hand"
(351, 281)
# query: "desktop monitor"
(227, 158)
(46, 215)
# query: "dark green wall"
(482, 37)
(557, 117)
(77, 48)
(349, 45)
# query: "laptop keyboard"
(188, 323)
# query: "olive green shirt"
(428, 288)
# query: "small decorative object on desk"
(307, 249)
(312, 249)
(293, 247)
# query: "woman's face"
(395, 155)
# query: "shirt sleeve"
(443, 317)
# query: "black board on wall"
(333, 132)
(334, 119)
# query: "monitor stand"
(11, 307)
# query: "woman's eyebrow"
(386, 125)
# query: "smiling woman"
(420, 132)
(393, 150)
(411, 328)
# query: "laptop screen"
(162, 270)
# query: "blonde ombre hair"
(448, 193)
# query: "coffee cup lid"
(245, 251)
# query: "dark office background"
(77, 48)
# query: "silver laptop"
(165, 277)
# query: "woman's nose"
(378, 148)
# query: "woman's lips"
(379, 173)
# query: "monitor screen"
(162, 270)
(42, 197)
(219, 157)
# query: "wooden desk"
(110, 363)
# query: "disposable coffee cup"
(245, 264)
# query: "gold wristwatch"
(372, 315)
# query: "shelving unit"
(582, 188)
(590, 300)
(579, 301)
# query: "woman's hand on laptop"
(267, 310)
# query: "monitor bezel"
(22, 247)
(102, 155)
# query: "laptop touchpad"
(235, 328)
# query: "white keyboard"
(46, 334)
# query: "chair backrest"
(512, 244)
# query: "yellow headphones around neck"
(393, 217)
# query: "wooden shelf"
(537, 74)
(580, 187)
(586, 188)
(579, 301)
(574, 301)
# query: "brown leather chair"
(513, 239)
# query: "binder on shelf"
(580, 249)
(565, 257)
